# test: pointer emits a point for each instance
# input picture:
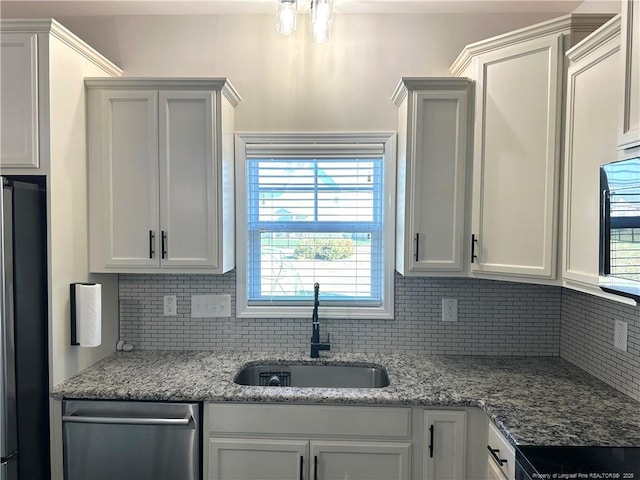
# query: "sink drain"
(275, 379)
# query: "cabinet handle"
(164, 244)
(494, 453)
(152, 241)
(315, 467)
(417, 246)
(301, 467)
(474, 241)
(430, 441)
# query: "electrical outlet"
(210, 306)
(170, 305)
(449, 309)
(620, 335)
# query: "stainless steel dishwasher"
(121, 440)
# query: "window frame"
(279, 141)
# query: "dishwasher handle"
(177, 422)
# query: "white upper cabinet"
(19, 100)
(629, 134)
(43, 67)
(517, 146)
(161, 175)
(593, 94)
(188, 180)
(123, 173)
(434, 126)
(516, 158)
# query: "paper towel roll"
(87, 305)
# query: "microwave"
(620, 228)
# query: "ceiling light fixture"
(286, 16)
(321, 19)
(321, 13)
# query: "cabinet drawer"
(502, 450)
(336, 421)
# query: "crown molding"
(54, 28)
(585, 22)
(220, 84)
(428, 83)
(606, 32)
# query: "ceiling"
(49, 8)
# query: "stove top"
(577, 463)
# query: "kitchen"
(339, 86)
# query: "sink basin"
(309, 375)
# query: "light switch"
(210, 306)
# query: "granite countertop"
(532, 400)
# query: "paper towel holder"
(74, 325)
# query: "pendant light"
(286, 16)
(321, 19)
(321, 13)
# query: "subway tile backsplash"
(587, 340)
(494, 318)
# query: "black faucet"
(316, 344)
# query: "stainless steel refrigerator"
(24, 410)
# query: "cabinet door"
(516, 155)
(629, 135)
(434, 234)
(188, 176)
(19, 100)
(591, 137)
(444, 449)
(360, 461)
(127, 166)
(493, 470)
(254, 459)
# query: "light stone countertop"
(532, 400)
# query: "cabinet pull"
(315, 467)
(164, 244)
(494, 453)
(430, 441)
(474, 241)
(301, 467)
(417, 246)
(152, 240)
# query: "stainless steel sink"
(309, 375)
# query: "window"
(315, 208)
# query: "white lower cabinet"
(319, 442)
(271, 459)
(494, 472)
(444, 452)
(501, 458)
(360, 460)
(337, 442)
(257, 459)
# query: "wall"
(290, 83)
(495, 318)
(587, 339)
